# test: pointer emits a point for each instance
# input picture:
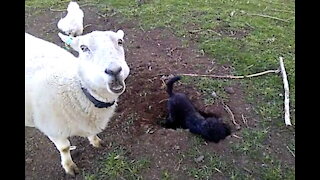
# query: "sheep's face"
(102, 60)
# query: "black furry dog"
(182, 114)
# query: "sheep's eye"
(120, 42)
(84, 48)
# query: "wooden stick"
(102, 15)
(291, 152)
(61, 10)
(244, 119)
(163, 100)
(231, 114)
(282, 4)
(271, 17)
(218, 170)
(249, 25)
(179, 163)
(286, 93)
(57, 10)
(88, 4)
(247, 170)
(280, 10)
(237, 136)
(230, 76)
(87, 26)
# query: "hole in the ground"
(208, 125)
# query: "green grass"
(117, 165)
(274, 169)
(165, 175)
(263, 163)
(265, 167)
(212, 166)
(252, 143)
(47, 3)
(266, 39)
(208, 85)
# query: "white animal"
(72, 23)
(68, 96)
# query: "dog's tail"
(170, 84)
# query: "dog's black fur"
(182, 114)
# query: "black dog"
(182, 114)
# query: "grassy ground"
(231, 31)
(116, 164)
(234, 32)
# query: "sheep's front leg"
(63, 145)
(95, 141)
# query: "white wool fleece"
(55, 103)
(72, 23)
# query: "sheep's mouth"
(117, 86)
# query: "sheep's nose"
(113, 71)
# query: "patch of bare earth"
(151, 55)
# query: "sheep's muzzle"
(116, 86)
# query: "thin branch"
(271, 17)
(199, 30)
(163, 100)
(61, 10)
(194, 31)
(218, 170)
(247, 170)
(214, 32)
(57, 10)
(282, 4)
(142, 28)
(232, 77)
(286, 93)
(226, 107)
(87, 26)
(236, 136)
(291, 152)
(102, 15)
(249, 25)
(245, 121)
(163, 84)
(179, 163)
(88, 4)
(280, 10)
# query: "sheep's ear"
(120, 34)
(71, 41)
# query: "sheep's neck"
(97, 103)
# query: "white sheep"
(68, 96)
(72, 23)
